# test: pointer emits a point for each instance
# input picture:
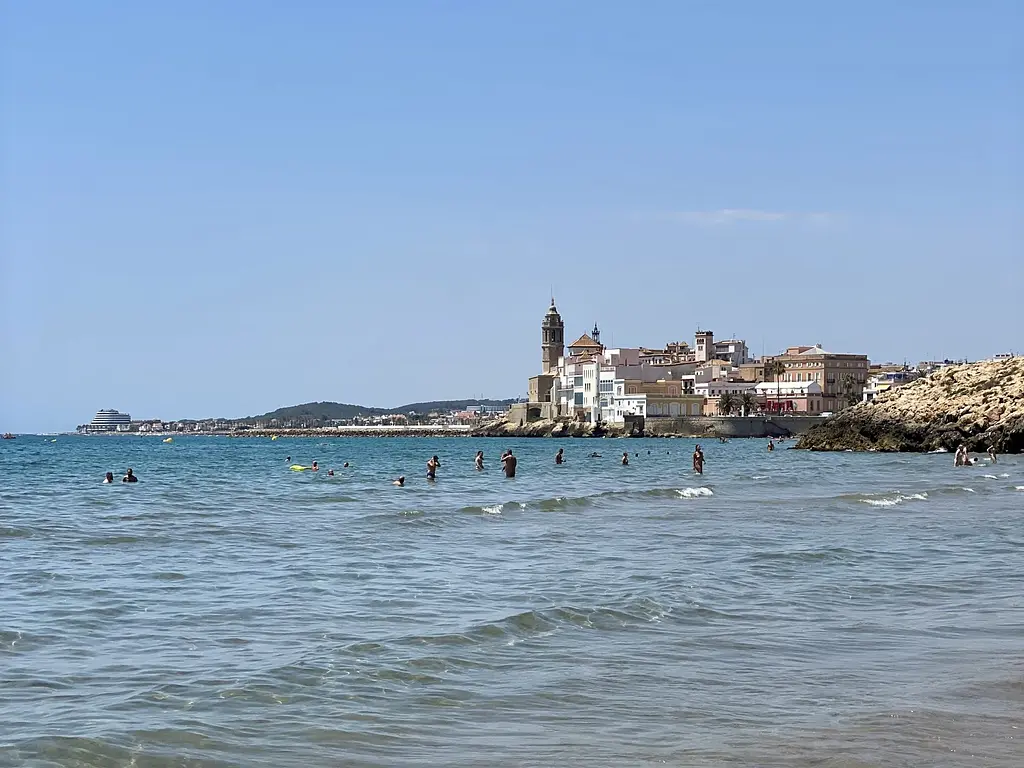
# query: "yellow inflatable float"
(169, 440)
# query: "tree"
(775, 369)
(747, 403)
(852, 392)
(727, 403)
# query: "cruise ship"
(108, 421)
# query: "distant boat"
(8, 436)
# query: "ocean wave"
(493, 509)
(541, 622)
(693, 493)
(805, 555)
(892, 501)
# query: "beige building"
(657, 399)
(838, 375)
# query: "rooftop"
(585, 341)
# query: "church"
(589, 382)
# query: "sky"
(218, 209)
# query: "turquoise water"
(786, 609)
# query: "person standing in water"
(432, 466)
(129, 477)
(509, 462)
(625, 458)
(771, 445)
(992, 453)
(698, 460)
(960, 458)
(479, 461)
(400, 482)
(315, 467)
(560, 457)
(109, 478)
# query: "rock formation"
(546, 428)
(978, 404)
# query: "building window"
(578, 400)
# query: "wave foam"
(693, 493)
(892, 501)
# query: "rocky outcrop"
(546, 428)
(978, 404)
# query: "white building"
(733, 350)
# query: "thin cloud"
(726, 216)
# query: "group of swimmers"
(509, 462)
(129, 477)
(314, 467)
(962, 457)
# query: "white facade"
(733, 350)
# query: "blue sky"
(222, 208)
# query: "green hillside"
(328, 411)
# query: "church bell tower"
(552, 334)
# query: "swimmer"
(771, 445)
(560, 456)
(109, 478)
(479, 461)
(595, 455)
(509, 461)
(432, 466)
(330, 473)
(315, 467)
(129, 477)
(288, 460)
(698, 460)
(345, 465)
(400, 482)
(625, 458)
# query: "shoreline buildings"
(589, 382)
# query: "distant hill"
(323, 411)
(328, 411)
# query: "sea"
(786, 608)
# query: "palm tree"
(747, 403)
(727, 403)
(850, 390)
(776, 368)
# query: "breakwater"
(426, 430)
(689, 426)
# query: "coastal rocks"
(977, 404)
(546, 428)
